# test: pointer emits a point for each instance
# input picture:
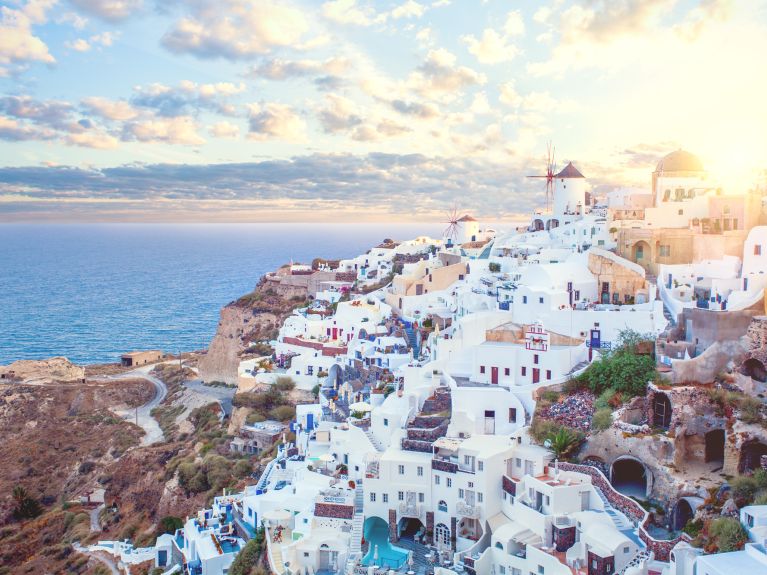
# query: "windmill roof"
(467, 218)
(569, 171)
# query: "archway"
(410, 528)
(755, 369)
(661, 410)
(537, 225)
(715, 446)
(681, 514)
(629, 476)
(334, 378)
(641, 253)
(751, 453)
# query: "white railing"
(410, 509)
(466, 510)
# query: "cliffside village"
(418, 456)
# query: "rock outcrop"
(55, 369)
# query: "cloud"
(408, 9)
(236, 29)
(83, 45)
(279, 69)
(348, 12)
(509, 95)
(491, 48)
(224, 129)
(109, 10)
(14, 131)
(18, 44)
(187, 98)
(50, 113)
(180, 130)
(439, 76)
(275, 121)
(305, 187)
(420, 110)
(339, 114)
(700, 16)
(95, 140)
(119, 110)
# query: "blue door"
(309, 421)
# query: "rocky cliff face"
(254, 317)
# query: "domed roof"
(680, 161)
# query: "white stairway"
(374, 441)
(619, 519)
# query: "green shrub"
(603, 419)
(550, 396)
(283, 413)
(169, 524)
(494, 267)
(248, 558)
(693, 527)
(728, 534)
(24, 505)
(750, 410)
(284, 384)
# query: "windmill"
(550, 168)
(451, 232)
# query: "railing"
(661, 548)
(410, 509)
(465, 510)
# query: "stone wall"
(334, 510)
(630, 508)
(446, 466)
(564, 538)
(393, 536)
(509, 485)
(600, 565)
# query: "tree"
(564, 442)
(246, 562)
(169, 524)
(24, 505)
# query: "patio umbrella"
(410, 560)
(375, 554)
(277, 515)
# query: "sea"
(91, 292)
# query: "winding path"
(143, 414)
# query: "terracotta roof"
(569, 171)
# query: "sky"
(358, 110)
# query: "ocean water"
(91, 292)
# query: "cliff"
(254, 317)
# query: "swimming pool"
(377, 533)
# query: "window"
(540, 570)
(506, 371)
(524, 371)
(436, 480)
(524, 299)
(401, 469)
(540, 300)
(420, 471)
(420, 498)
(512, 415)
(548, 374)
(577, 294)
(681, 212)
(400, 495)
(481, 369)
(535, 359)
(481, 466)
(471, 485)
(502, 569)
(309, 370)
(518, 462)
(386, 422)
(479, 497)
(372, 497)
(449, 481)
(386, 498)
(757, 249)
(460, 493)
(664, 251)
(625, 549)
(442, 506)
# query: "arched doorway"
(537, 225)
(715, 446)
(681, 514)
(751, 453)
(410, 528)
(442, 536)
(641, 253)
(334, 378)
(661, 410)
(755, 369)
(629, 476)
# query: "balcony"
(410, 510)
(465, 510)
(444, 465)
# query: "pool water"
(377, 533)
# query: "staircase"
(411, 337)
(641, 557)
(620, 521)
(374, 441)
(358, 521)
